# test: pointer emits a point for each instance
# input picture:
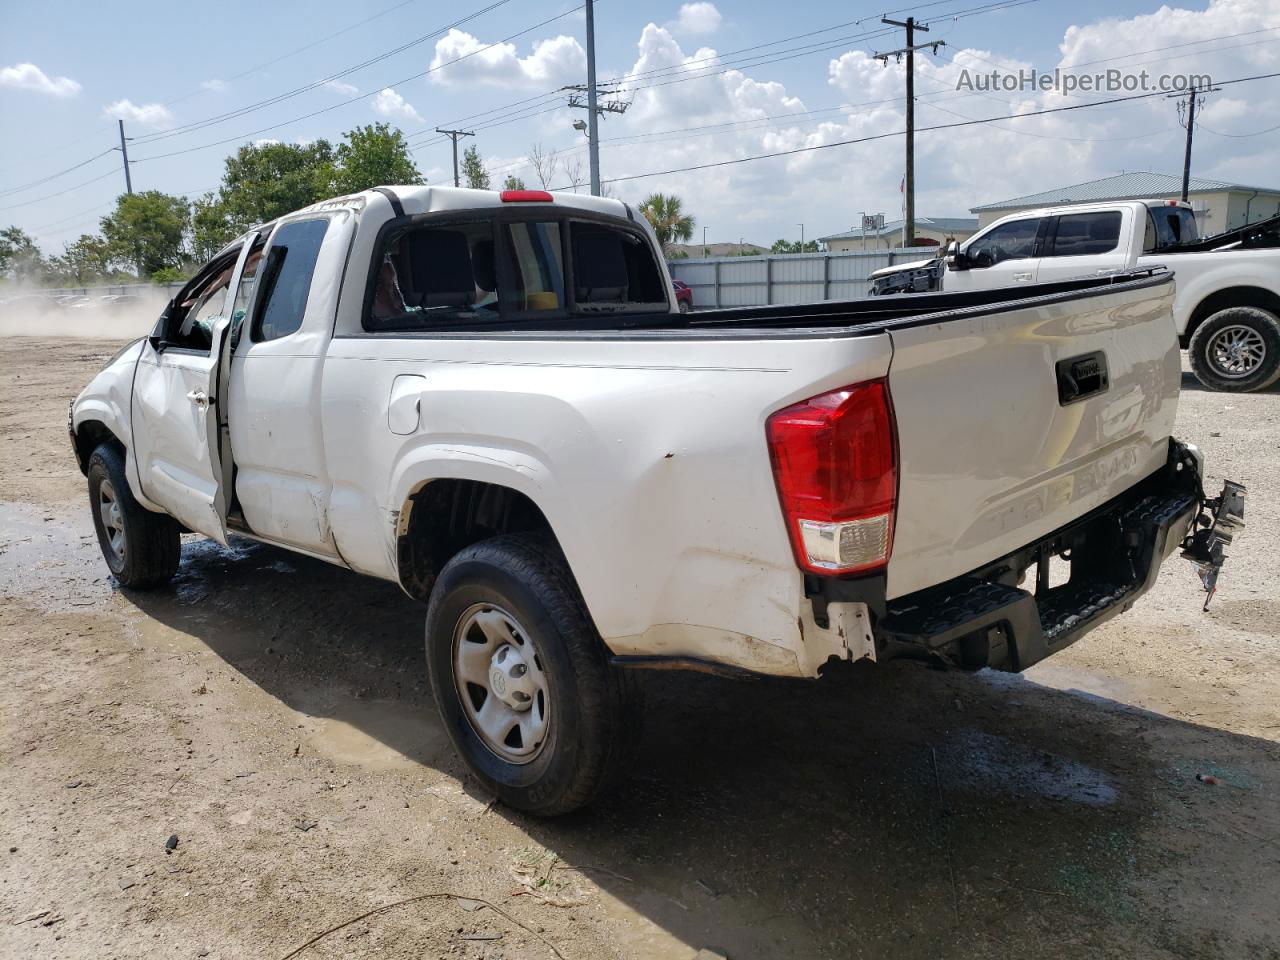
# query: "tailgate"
(1016, 419)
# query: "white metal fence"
(110, 289)
(786, 278)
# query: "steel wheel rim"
(1237, 351)
(112, 518)
(501, 683)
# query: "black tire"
(592, 705)
(1209, 368)
(151, 543)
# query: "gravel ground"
(271, 713)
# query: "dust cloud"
(123, 317)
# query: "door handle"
(1021, 277)
(199, 398)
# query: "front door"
(1004, 256)
(176, 394)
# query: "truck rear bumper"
(1013, 613)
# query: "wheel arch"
(441, 516)
(90, 434)
(1242, 295)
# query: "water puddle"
(51, 560)
(995, 764)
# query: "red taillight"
(526, 196)
(835, 464)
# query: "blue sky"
(66, 69)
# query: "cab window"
(1010, 241)
(190, 323)
(290, 260)
(1086, 234)
(433, 274)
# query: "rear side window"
(290, 265)
(1085, 234)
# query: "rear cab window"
(1086, 234)
(514, 270)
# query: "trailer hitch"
(1216, 523)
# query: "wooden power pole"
(909, 184)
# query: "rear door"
(176, 433)
(1004, 256)
(998, 448)
(1086, 244)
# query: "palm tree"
(664, 215)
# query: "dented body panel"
(646, 450)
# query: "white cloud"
(552, 61)
(27, 76)
(147, 114)
(957, 168)
(698, 18)
(390, 104)
(266, 142)
(346, 89)
(215, 85)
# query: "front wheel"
(1237, 350)
(521, 679)
(141, 548)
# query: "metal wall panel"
(785, 278)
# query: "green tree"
(794, 246)
(513, 183)
(473, 170)
(20, 258)
(372, 156)
(84, 261)
(667, 217)
(265, 181)
(146, 231)
(170, 275)
(211, 227)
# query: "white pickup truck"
(1227, 304)
(492, 399)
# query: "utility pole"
(1190, 107)
(454, 135)
(909, 186)
(704, 240)
(801, 237)
(593, 140)
(124, 150)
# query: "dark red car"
(684, 295)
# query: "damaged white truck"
(492, 399)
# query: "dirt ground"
(272, 713)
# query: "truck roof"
(432, 199)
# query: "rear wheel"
(521, 679)
(141, 548)
(1237, 350)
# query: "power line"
(298, 91)
(54, 176)
(50, 196)
(897, 133)
(241, 137)
(297, 50)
